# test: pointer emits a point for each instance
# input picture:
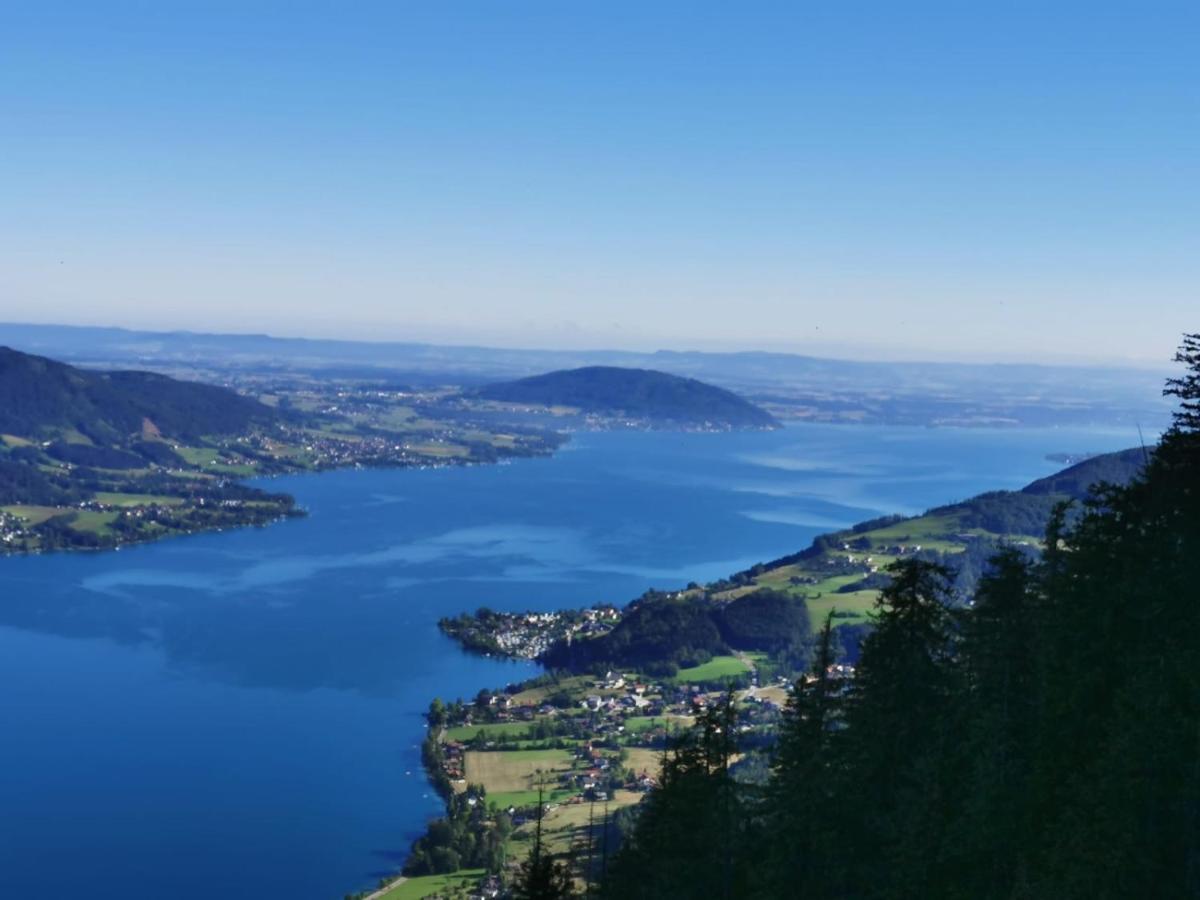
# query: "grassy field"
(823, 596)
(638, 724)
(13, 441)
(850, 607)
(34, 515)
(522, 799)
(199, 456)
(540, 693)
(514, 770)
(779, 579)
(489, 729)
(115, 499)
(93, 520)
(716, 668)
(643, 759)
(240, 471)
(427, 885)
(440, 451)
(931, 532)
(567, 825)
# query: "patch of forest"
(1038, 741)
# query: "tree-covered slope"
(1025, 512)
(41, 399)
(843, 570)
(635, 393)
(97, 459)
(662, 632)
(1037, 742)
(766, 607)
(1075, 481)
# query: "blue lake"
(237, 714)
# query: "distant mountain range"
(643, 395)
(44, 399)
(790, 386)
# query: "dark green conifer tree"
(690, 839)
(799, 811)
(541, 876)
(994, 714)
(1043, 742)
(896, 732)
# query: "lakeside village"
(587, 747)
(527, 635)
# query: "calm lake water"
(238, 714)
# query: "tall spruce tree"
(799, 810)
(1128, 706)
(541, 876)
(995, 714)
(690, 839)
(895, 732)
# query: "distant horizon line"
(1065, 362)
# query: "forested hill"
(641, 394)
(44, 399)
(1077, 480)
(93, 459)
(1025, 512)
(1039, 741)
(841, 570)
(841, 573)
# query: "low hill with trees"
(661, 633)
(656, 398)
(766, 608)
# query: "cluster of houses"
(598, 728)
(13, 529)
(527, 635)
(598, 774)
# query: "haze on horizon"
(917, 181)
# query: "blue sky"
(1020, 181)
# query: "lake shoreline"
(288, 669)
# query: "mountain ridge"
(40, 397)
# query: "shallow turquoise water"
(235, 714)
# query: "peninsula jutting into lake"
(313, 644)
(567, 758)
(92, 459)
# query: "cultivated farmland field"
(491, 730)
(515, 770)
(429, 885)
(716, 668)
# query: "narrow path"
(747, 661)
(386, 888)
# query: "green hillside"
(44, 399)
(97, 459)
(641, 394)
(767, 608)
(842, 571)
(662, 633)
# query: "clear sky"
(992, 181)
